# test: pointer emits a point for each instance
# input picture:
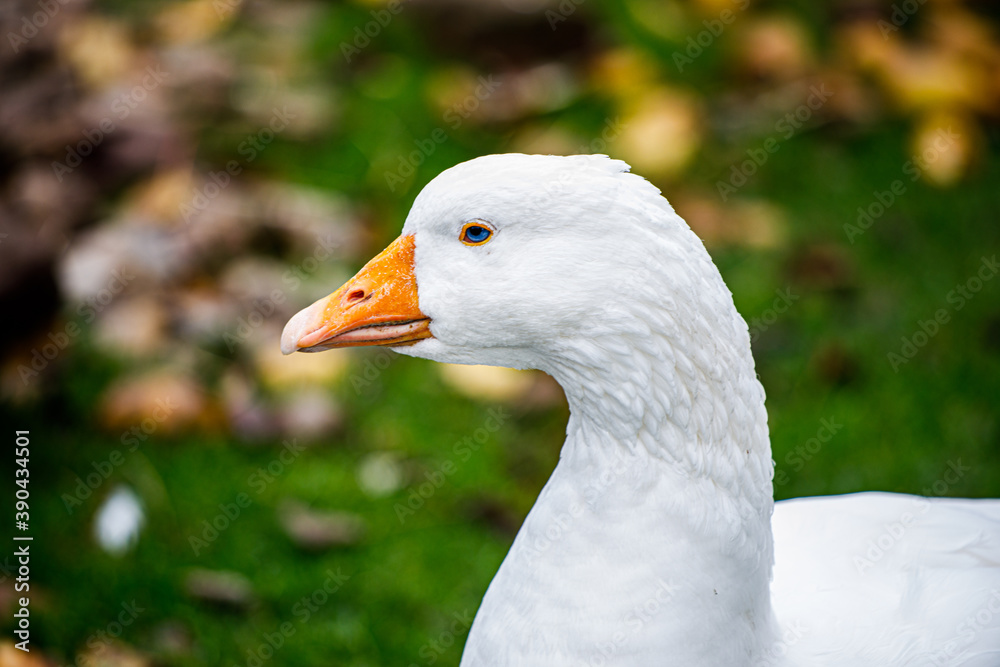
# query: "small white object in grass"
(118, 521)
(380, 474)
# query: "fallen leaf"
(918, 78)
(193, 20)
(624, 73)
(160, 197)
(757, 224)
(106, 653)
(314, 529)
(943, 145)
(11, 656)
(133, 326)
(221, 587)
(98, 48)
(774, 46)
(163, 400)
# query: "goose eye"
(475, 233)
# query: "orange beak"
(378, 306)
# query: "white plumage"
(653, 541)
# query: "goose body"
(656, 540)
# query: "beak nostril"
(355, 296)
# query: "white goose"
(654, 539)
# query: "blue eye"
(475, 233)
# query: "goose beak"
(378, 306)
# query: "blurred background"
(178, 178)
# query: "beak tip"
(288, 345)
(293, 331)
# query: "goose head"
(519, 261)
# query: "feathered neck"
(668, 374)
(668, 434)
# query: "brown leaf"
(193, 20)
(112, 654)
(164, 400)
(774, 46)
(221, 587)
(99, 49)
(748, 222)
(316, 529)
(920, 78)
(14, 657)
(132, 327)
(823, 266)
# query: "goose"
(656, 540)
